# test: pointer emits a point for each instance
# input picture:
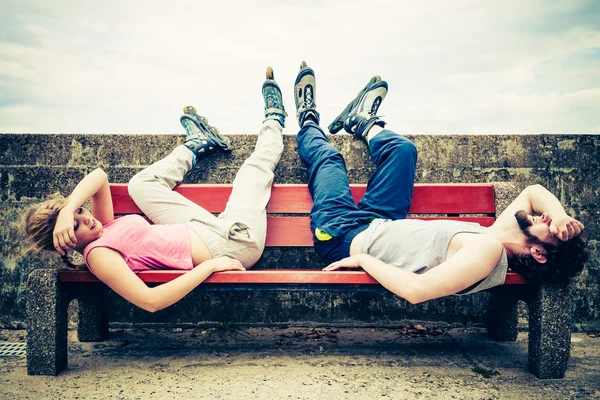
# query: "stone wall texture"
(34, 167)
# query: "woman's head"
(39, 223)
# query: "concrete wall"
(33, 167)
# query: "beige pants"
(240, 230)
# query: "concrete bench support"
(503, 314)
(47, 324)
(549, 330)
(549, 324)
(93, 314)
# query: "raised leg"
(333, 211)
(152, 191)
(502, 319)
(252, 184)
(46, 324)
(390, 188)
(93, 315)
(550, 330)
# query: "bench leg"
(503, 316)
(549, 330)
(46, 324)
(93, 315)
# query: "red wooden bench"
(464, 202)
(288, 211)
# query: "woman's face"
(87, 228)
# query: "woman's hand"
(348, 262)
(222, 264)
(63, 235)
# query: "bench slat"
(453, 199)
(295, 231)
(427, 198)
(279, 228)
(262, 277)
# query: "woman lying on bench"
(183, 235)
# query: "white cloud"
(453, 66)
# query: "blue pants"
(388, 194)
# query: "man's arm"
(475, 260)
(537, 200)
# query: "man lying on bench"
(415, 259)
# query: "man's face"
(536, 228)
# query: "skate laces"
(368, 112)
(307, 100)
(192, 130)
(273, 100)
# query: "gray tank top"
(418, 246)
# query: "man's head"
(550, 259)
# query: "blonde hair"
(39, 222)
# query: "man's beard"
(524, 224)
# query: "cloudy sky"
(452, 66)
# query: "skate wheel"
(270, 74)
(189, 110)
(303, 65)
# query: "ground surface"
(301, 363)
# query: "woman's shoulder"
(130, 219)
(101, 256)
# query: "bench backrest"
(289, 208)
(288, 212)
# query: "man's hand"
(348, 262)
(222, 264)
(565, 228)
(63, 235)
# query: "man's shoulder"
(484, 240)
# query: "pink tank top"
(145, 246)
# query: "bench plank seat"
(277, 276)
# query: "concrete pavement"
(226, 362)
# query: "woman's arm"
(95, 186)
(475, 260)
(109, 266)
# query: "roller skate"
(202, 139)
(305, 95)
(361, 113)
(273, 99)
